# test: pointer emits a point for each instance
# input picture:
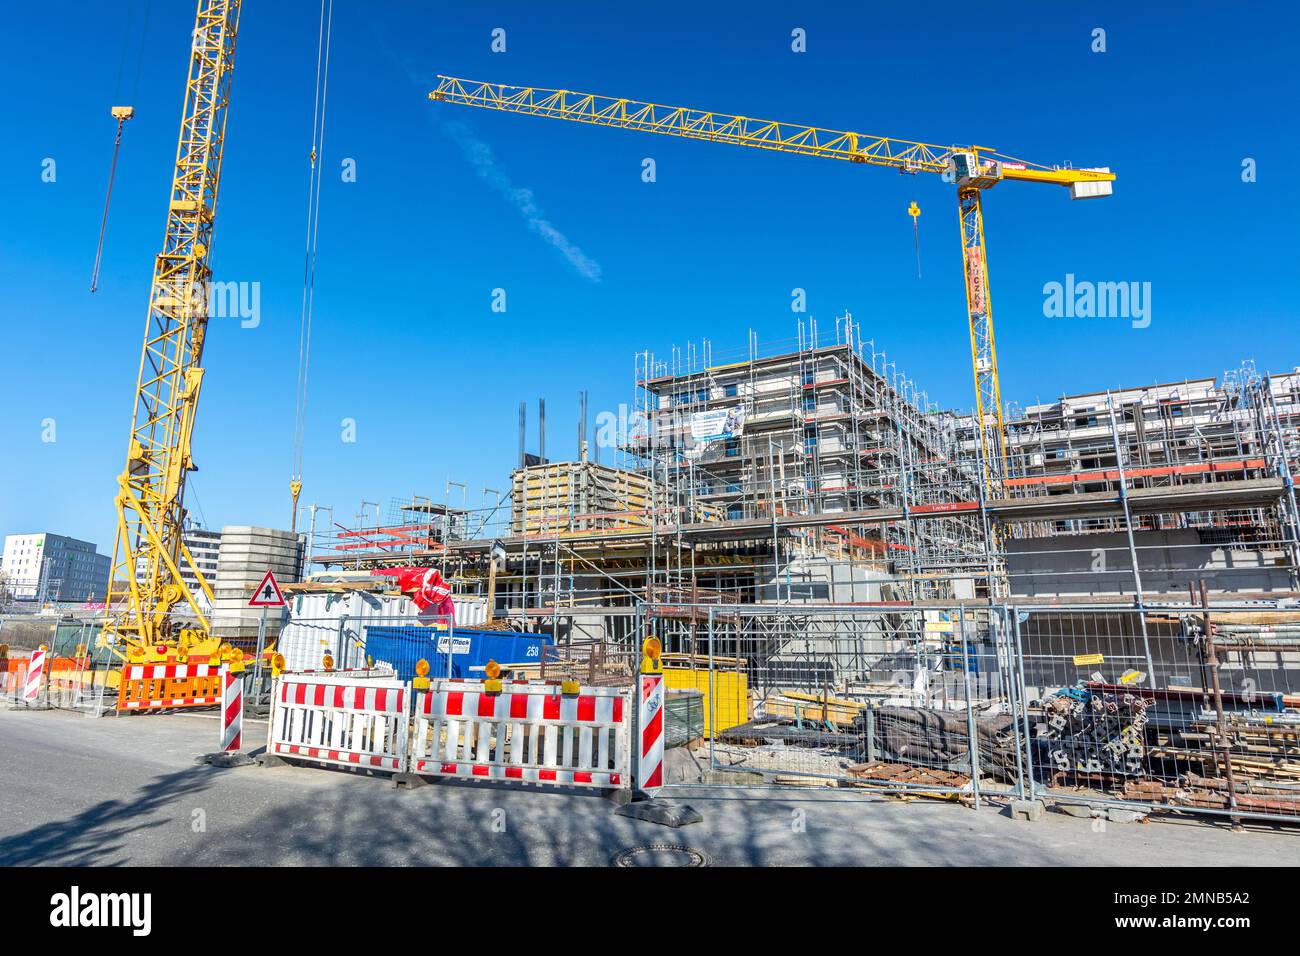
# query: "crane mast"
(972, 168)
(148, 555)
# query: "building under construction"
(820, 473)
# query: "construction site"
(783, 558)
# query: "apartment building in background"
(53, 567)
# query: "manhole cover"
(661, 854)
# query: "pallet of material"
(1244, 765)
(798, 706)
(695, 661)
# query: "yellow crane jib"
(972, 169)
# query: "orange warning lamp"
(277, 665)
(421, 681)
(237, 661)
(493, 672)
(327, 661)
(651, 656)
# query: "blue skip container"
(403, 645)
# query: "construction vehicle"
(148, 553)
(972, 169)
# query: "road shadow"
(100, 835)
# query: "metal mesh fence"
(884, 697)
(1181, 707)
(1177, 708)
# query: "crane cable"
(121, 114)
(309, 263)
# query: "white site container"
(335, 623)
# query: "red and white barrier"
(342, 721)
(14, 682)
(529, 732)
(650, 726)
(35, 671)
(232, 710)
(150, 686)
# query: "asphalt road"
(128, 791)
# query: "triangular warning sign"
(268, 593)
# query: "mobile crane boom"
(148, 554)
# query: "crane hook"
(915, 212)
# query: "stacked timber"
(581, 496)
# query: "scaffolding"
(828, 428)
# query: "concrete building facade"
(54, 567)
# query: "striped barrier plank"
(650, 766)
(35, 670)
(232, 710)
(154, 686)
(528, 732)
(334, 719)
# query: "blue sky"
(405, 341)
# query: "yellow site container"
(732, 688)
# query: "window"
(731, 391)
(810, 403)
(735, 512)
(702, 395)
(732, 449)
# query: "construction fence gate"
(528, 731)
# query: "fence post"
(257, 663)
(972, 731)
(1024, 703)
(340, 648)
(713, 697)
(1010, 682)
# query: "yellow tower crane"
(149, 554)
(972, 169)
